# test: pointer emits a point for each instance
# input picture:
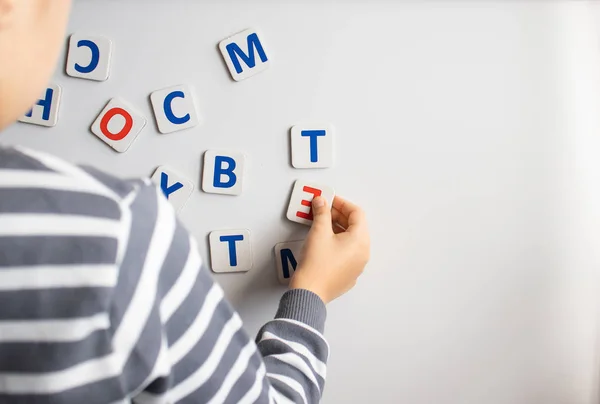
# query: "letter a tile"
(244, 54)
(176, 188)
(287, 257)
(230, 250)
(300, 207)
(118, 125)
(223, 172)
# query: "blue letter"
(232, 253)
(219, 170)
(249, 59)
(95, 56)
(164, 185)
(46, 103)
(313, 134)
(169, 111)
(287, 255)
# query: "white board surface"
(468, 132)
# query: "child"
(103, 296)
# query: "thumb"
(321, 214)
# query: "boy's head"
(31, 35)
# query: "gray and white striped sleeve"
(104, 299)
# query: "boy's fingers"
(357, 222)
(344, 206)
(338, 218)
(337, 229)
(353, 213)
(321, 214)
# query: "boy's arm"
(293, 347)
(205, 355)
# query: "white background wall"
(467, 130)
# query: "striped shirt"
(104, 299)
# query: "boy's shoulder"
(16, 159)
(28, 169)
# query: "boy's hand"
(335, 251)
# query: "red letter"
(309, 215)
(106, 119)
